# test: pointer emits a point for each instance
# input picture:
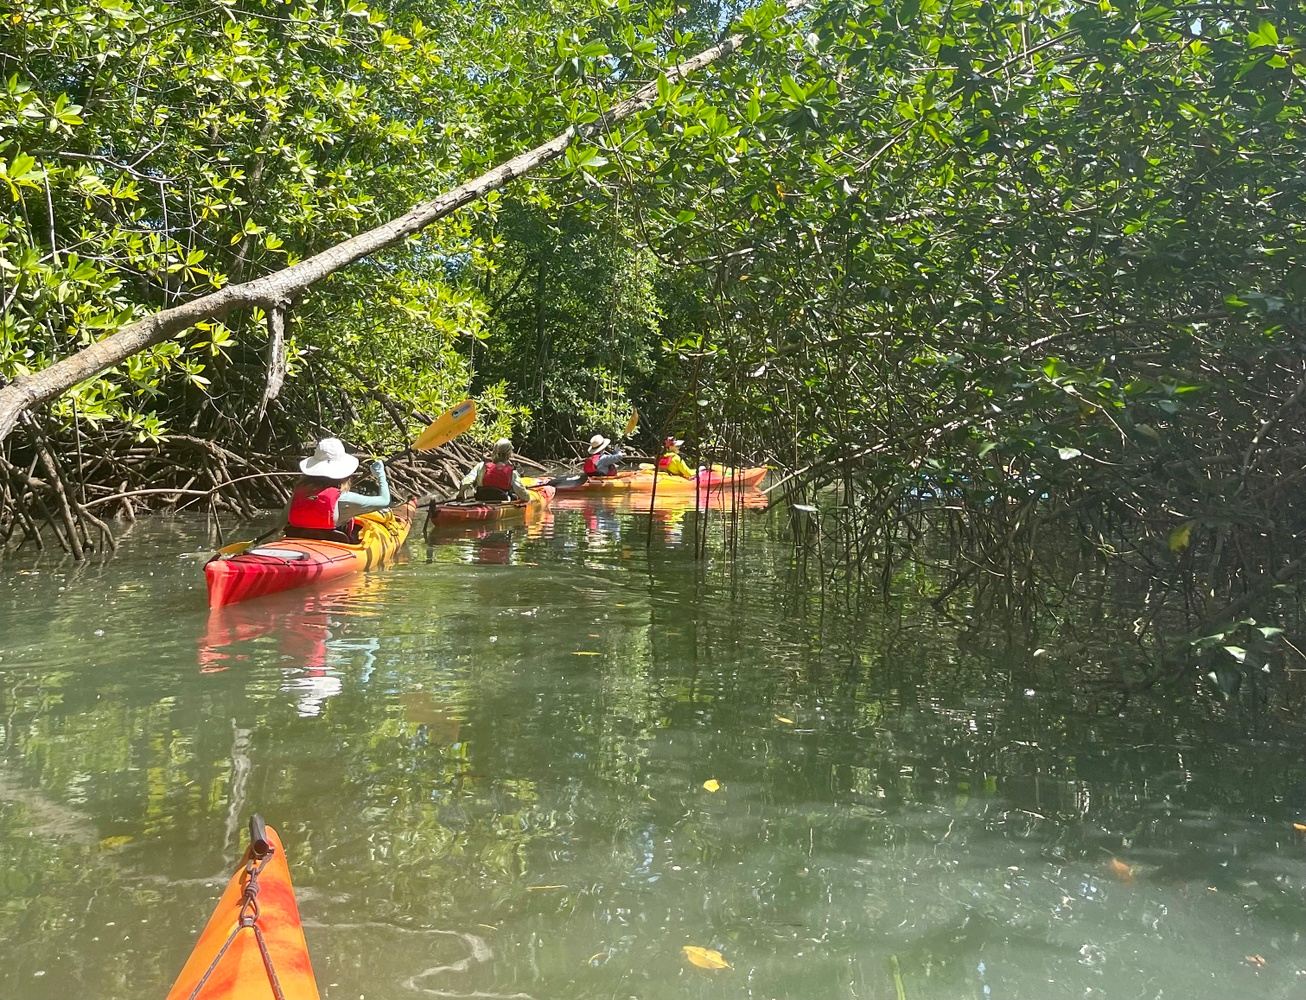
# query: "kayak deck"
(485, 510)
(253, 947)
(288, 563)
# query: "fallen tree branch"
(28, 391)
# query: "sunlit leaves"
(1180, 537)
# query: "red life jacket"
(665, 460)
(592, 466)
(498, 476)
(313, 507)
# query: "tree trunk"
(28, 391)
(276, 357)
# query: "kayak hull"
(288, 563)
(645, 482)
(488, 510)
(227, 963)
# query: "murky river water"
(488, 766)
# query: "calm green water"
(487, 764)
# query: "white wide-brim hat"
(673, 442)
(330, 461)
(597, 443)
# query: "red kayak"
(297, 562)
(485, 510)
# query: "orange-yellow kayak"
(297, 562)
(253, 947)
(643, 481)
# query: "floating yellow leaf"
(1180, 536)
(781, 718)
(712, 785)
(113, 843)
(1122, 871)
(546, 888)
(1299, 827)
(585, 652)
(705, 958)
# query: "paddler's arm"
(518, 487)
(351, 503)
(471, 480)
(607, 464)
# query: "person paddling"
(603, 460)
(495, 479)
(671, 463)
(322, 504)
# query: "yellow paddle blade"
(631, 424)
(447, 426)
(236, 548)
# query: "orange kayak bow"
(253, 947)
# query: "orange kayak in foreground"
(253, 947)
(297, 562)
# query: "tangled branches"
(71, 489)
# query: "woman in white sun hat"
(602, 462)
(322, 505)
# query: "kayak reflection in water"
(671, 464)
(601, 524)
(322, 505)
(495, 479)
(494, 548)
(603, 460)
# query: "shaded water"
(487, 764)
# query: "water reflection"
(490, 776)
(492, 542)
(664, 516)
(300, 632)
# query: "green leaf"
(1263, 35)
(1180, 537)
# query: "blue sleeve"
(351, 503)
(607, 463)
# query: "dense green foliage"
(152, 152)
(1047, 260)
